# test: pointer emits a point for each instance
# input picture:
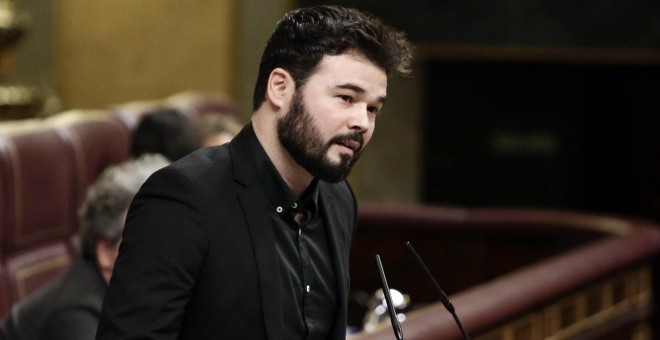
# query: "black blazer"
(67, 308)
(198, 257)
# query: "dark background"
(578, 131)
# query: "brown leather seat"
(129, 114)
(30, 269)
(37, 188)
(192, 103)
(97, 140)
(196, 104)
(46, 167)
(5, 300)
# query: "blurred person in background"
(166, 131)
(218, 129)
(69, 308)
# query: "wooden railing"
(589, 276)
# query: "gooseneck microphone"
(396, 326)
(443, 297)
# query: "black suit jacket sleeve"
(76, 324)
(162, 249)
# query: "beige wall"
(109, 52)
(389, 170)
(257, 19)
(114, 51)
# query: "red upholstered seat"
(5, 299)
(196, 104)
(30, 269)
(129, 114)
(37, 188)
(97, 141)
(192, 103)
(46, 167)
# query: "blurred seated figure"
(166, 131)
(218, 129)
(69, 307)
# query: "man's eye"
(372, 109)
(347, 99)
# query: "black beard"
(303, 141)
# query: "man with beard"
(250, 240)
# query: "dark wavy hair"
(303, 36)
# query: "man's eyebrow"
(358, 89)
(352, 87)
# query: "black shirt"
(308, 281)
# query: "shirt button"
(294, 205)
(308, 288)
(279, 210)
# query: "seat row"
(46, 166)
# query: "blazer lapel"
(255, 210)
(265, 254)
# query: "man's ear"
(280, 87)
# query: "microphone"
(443, 297)
(396, 326)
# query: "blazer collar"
(255, 208)
(240, 149)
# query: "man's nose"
(360, 118)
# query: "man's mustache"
(349, 140)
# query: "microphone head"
(377, 312)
